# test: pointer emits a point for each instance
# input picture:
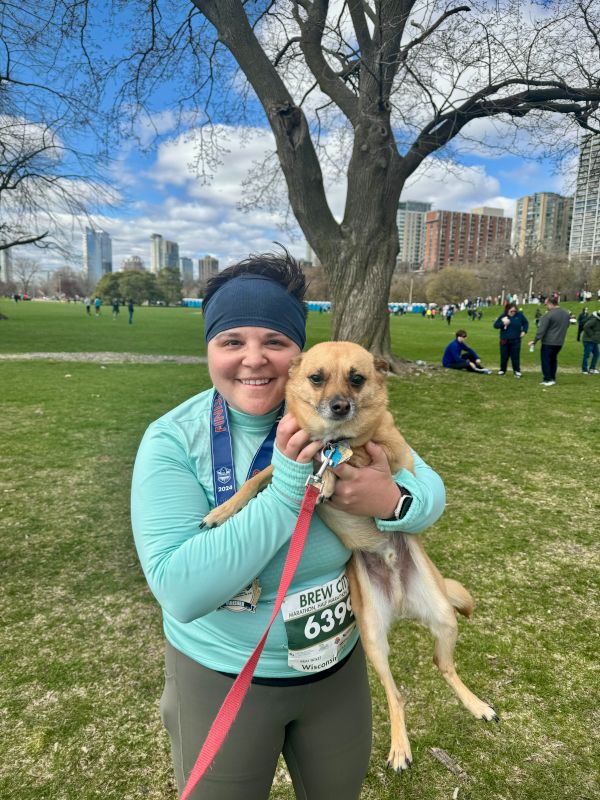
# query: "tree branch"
(557, 97)
(312, 29)
(426, 34)
(295, 148)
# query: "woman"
(217, 587)
(513, 326)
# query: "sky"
(160, 193)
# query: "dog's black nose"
(339, 406)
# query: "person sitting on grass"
(458, 356)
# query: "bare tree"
(49, 104)
(370, 89)
(453, 286)
(25, 271)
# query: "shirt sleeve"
(471, 352)
(192, 571)
(429, 499)
(544, 320)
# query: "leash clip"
(317, 478)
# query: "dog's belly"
(390, 559)
(356, 533)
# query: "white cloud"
(455, 188)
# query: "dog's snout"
(340, 406)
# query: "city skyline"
(159, 192)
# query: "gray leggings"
(322, 728)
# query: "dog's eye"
(356, 380)
(316, 379)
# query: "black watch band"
(404, 503)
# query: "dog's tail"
(459, 597)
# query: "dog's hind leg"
(373, 612)
(426, 601)
(445, 631)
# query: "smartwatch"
(404, 503)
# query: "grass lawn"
(81, 642)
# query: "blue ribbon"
(221, 451)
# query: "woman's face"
(249, 367)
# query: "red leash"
(231, 705)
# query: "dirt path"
(104, 358)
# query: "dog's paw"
(399, 759)
(484, 711)
(488, 714)
(213, 519)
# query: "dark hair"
(508, 306)
(460, 333)
(279, 267)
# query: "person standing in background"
(591, 343)
(552, 332)
(130, 310)
(513, 325)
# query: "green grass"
(81, 641)
(64, 327)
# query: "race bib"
(318, 622)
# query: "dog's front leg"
(240, 499)
(373, 615)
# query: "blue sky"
(161, 194)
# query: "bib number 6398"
(328, 619)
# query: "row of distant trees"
(545, 272)
(450, 285)
(141, 286)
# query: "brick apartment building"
(457, 238)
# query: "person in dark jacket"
(591, 343)
(513, 325)
(458, 356)
(552, 332)
(581, 320)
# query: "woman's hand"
(366, 491)
(294, 443)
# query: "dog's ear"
(381, 365)
(295, 363)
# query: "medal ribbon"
(221, 451)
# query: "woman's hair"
(279, 267)
(460, 333)
(508, 306)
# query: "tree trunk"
(361, 262)
(360, 275)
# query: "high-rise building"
(542, 223)
(163, 253)
(97, 254)
(411, 234)
(132, 262)
(207, 267)
(585, 227)
(155, 252)
(458, 238)
(5, 265)
(170, 254)
(186, 267)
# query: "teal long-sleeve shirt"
(192, 571)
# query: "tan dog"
(337, 391)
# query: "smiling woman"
(217, 586)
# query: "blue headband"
(255, 301)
